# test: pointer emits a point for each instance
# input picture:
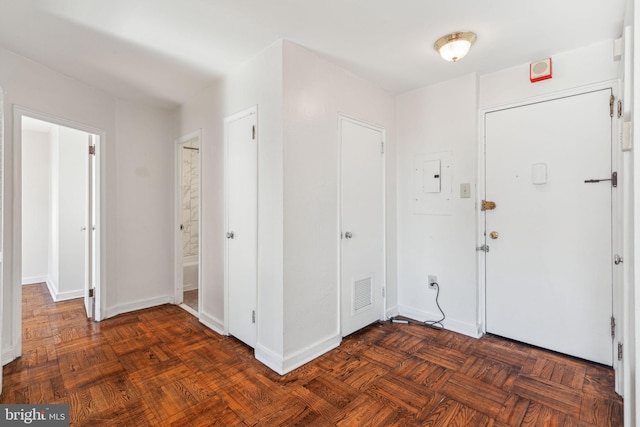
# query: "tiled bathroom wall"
(190, 200)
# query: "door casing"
(100, 213)
(179, 285)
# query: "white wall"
(144, 178)
(315, 93)
(572, 69)
(443, 118)
(36, 222)
(259, 82)
(299, 96)
(125, 206)
(204, 111)
(438, 119)
(54, 213)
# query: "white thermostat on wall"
(540, 70)
(539, 173)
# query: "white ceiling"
(163, 51)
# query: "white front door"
(241, 194)
(549, 265)
(362, 224)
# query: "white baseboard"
(468, 329)
(53, 288)
(32, 280)
(283, 365)
(392, 311)
(189, 287)
(137, 305)
(8, 355)
(212, 323)
(64, 296)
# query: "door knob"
(348, 235)
(494, 235)
(230, 235)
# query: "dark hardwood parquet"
(160, 366)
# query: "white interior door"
(548, 269)
(241, 220)
(362, 224)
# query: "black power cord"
(436, 324)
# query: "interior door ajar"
(241, 171)
(362, 220)
(548, 224)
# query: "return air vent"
(362, 294)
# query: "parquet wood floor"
(161, 367)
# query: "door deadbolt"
(494, 235)
(488, 205)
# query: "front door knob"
(348, 235)
(230, 235)
(494, 235)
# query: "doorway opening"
(187, 246)
(57, 227)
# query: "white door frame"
(179, 285)
(616, 232)
(382, 130)
(100, 244)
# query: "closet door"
(241, 197)
(362, 222)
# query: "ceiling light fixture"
(455, 46)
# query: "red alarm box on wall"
(540, 70)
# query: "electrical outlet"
(432, 280)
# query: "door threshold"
(189, 310)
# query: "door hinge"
(483, 248)
(611, 102)
(92, 150)
(619, 108)
(619, 351)
(253, 316)
(253, 132)
(381, 147)
(613, 327)
(91, 293)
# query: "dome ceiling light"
(455, 46)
